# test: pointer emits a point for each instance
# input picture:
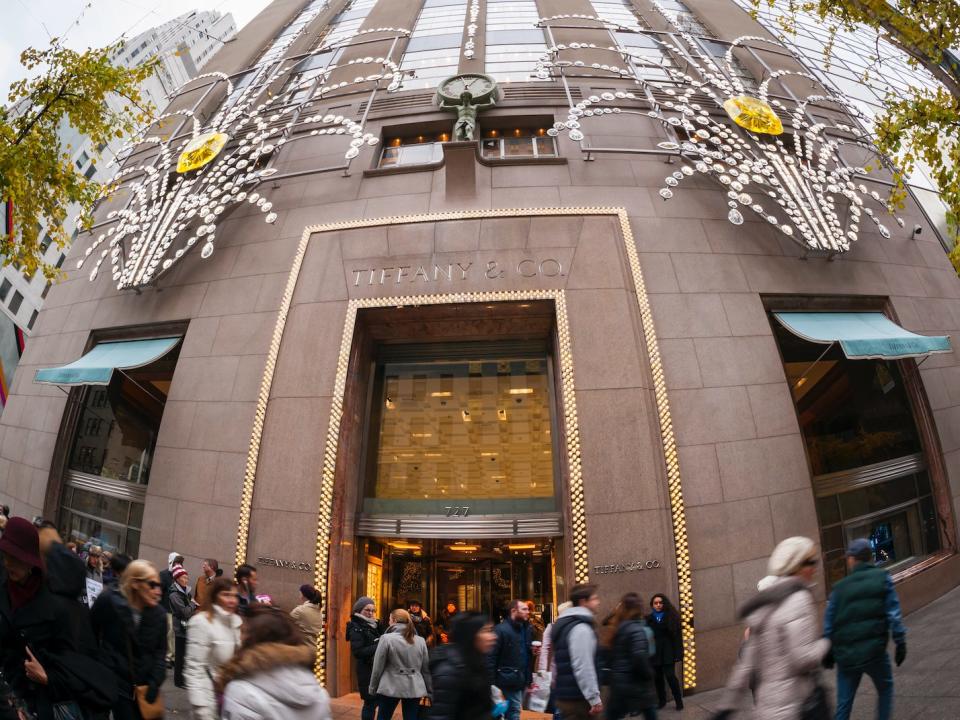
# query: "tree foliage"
(924, 125)
(95, 97)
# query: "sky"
(33, 22)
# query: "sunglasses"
(152, 584)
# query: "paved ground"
(927, 685)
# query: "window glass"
(433, 50)
(15, 302)
(119, 423)
(474, 432)
(5, 289)
(851, 412)
(514, 43)
(413, 150)
(518, 142)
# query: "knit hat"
(790, 555)
(766, 582)
(178, 571)
(21, 540)
(361, 604)
(170, 558)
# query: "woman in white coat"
(271, 676)
(401, 669)
(785, 646)
(213, 635)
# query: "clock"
(482, 88)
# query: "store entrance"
(475, 575)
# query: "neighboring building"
(615, 337)
(184, 45)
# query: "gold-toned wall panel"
(578, 527)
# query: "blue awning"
(97, 366)
(862, 335)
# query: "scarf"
(371, 621)
(658, 615)
(19, 594)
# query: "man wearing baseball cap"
(863, 612)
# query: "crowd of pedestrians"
(93, 637)
(88, 638)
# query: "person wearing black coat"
(461, 683)
(510, 663)
(131, 628)
(630, 671)
(664, 620)
(41, 654)
(363, 632)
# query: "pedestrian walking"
(363, 632)
(271, 675)
(118, 563)
(174, 559)
(130, 627)
(461, 683)
(308, 615)
(182, 606)
(785, 648)
(574, 642)
(46, 653)
(511, 662)
(664, 620)
(421, 621)
(247, 583)
(546, 662)
(209, 571)
(862, 613)
(94, 566)
(631, 675)
(445, 621)
(213, 635)
(401, 669)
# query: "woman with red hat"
(33, 627)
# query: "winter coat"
(668, 639)
(860, 630)
(201, 588)
(166, 581)
(182, 607)
(211, 642)
(401, 669)
(574, 642)
(783, 653)
(510, 662)
(43, 623)
(272, 681)
(631, 675)
(126, 646)
(459, 693)
(423, 625)
(309, 618)
(363, 637)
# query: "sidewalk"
(927, 685)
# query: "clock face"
(474, 83)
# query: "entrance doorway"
(475, 575)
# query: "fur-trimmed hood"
(264, 658)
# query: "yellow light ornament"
(200, 151)
(753, 114)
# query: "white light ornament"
(773, 160)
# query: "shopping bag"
(539, 694)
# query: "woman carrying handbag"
(131, 627)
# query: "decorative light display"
(797, 183)
(469, 47)
(180, 194)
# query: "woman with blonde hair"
(401, 669)
(213, 635)
(131, 629)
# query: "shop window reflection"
(864, 447)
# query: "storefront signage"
(636, 566)
(285, 564)
(453, 272)
(457, 510)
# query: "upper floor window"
(433, 51)
(413, 149)
(304, 76)
(517, 143)
(15, 302)
(683, 17)
(640, 45)
(514, 43)
(348, 22)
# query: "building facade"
(183, 45)
(619, 302)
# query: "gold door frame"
(571, 427)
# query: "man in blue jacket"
(510, 662)
(863, 612)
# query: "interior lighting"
(488, 454)
(502, 413)
(521, 391)
(464, 548)
(441, 393)
(405, 546)
(527, 546)
(391, 405)
(466, 415)
(395, 142)
(516, 132)
(433, 455)
(493, 133)
(421, 435)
